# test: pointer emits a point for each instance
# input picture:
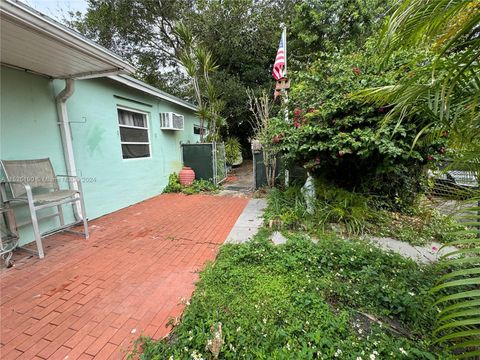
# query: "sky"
(55, 8)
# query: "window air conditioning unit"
(171, 121)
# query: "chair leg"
(36, 230)
(84, 216)
(60, 215)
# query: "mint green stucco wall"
(29, 130)
(111, 182)
(28, 127)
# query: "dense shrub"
(340, 138)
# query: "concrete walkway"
(91, 298)
(421, 254)
(248, 222)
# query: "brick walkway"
(90, 299)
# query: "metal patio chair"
(33, 182)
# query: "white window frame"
(147, 121)
(202, 128)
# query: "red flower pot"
(186, 176)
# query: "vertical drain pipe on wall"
(66, 134)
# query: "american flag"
(280, 60)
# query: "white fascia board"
(30, 18)
(139, 85)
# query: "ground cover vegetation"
(198, 186)
(336, 299)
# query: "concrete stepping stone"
(421, 254)
(277, 238)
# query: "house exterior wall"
(109, 181)
(29, 130)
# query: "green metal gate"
(207, 160)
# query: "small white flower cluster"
(338, 353)
(196, 355)
(402, 350)
(373, 355)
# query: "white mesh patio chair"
(33, 182)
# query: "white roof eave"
(141, 86)
(26, 18)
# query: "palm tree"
(198, 64)
(444, 93)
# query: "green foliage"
(345, 211)
(448, 99)
(457, 291)
(330, 25)
(339, 137)
(349, 213)
(421, 227)
(198, 186)
(305, 301)
(233, 150)
(173, 185)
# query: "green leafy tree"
(331, 25)
(142, 32)
(198, 63)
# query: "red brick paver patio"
(90, 299)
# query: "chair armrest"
(73, 178)
(28, 189)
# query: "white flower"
(403, 351)
(358, 358)
(196, 355)
(411, 293)
(288, 346)
(372, 357)
(171, 357)
(338, 353)
(264, 320)
(238, 329)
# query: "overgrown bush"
(198, 186)
(344, 140)
(348, 212)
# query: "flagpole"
(285, 44)
(285, 97)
